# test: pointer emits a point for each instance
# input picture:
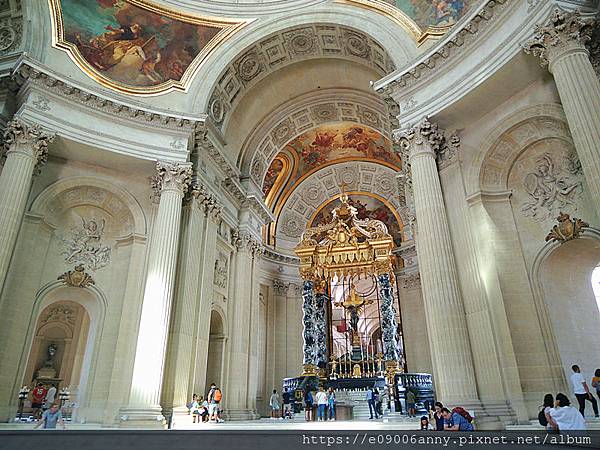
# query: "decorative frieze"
(564, 31)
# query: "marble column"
(445, 314)
(389, 325)
(25, 148)
(560, 44)
(170, 184)
(320, 328)
(309, 359)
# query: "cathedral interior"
(269, 194)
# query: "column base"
(144, 417)
(8, 413)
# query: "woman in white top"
(274, 403)
(565, 416)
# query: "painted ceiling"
(433, 13)
(324, 145)
(132, 43)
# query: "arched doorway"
(216, 345)
(564, 277)
(58, 349)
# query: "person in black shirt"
(437, 415)
(287, 404)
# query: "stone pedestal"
(560, 44)
(144, 408)
(25, 147)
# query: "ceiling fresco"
(133, 43)
(368, 207)
(328, 144)
(433, 13)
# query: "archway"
(58, 349)
(216, 345)
(563, 278)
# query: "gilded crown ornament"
(567, 229)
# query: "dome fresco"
(433, 13)
(330, 143)
(131, 42)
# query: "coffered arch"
(303, 203)
(301, 114)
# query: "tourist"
(331, 403)
(596, 382)
(38, 395)
(438, 417)
(308, 402)
(321, 404)
(454, 421)
(287, 404)
(544, 417)
(203, 409)
(214, 399)
(51, 417)
(582, 391)
(191, 404)
(50, 396)
(274, 404)
(564, 416)
(411, 400)
(195, 408)
(378, 402)
(425, 423)
(371, 401)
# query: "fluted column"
(240, 386)
(309, 359)
(445, 314)
(24, 147)
(184, 318)
(560, 44)
(170, 183)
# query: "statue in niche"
(552, 188)
(85, 248)
(48, 371)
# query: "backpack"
(218, 395)
(463, 412)
(542, 418)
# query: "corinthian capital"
(171, 176)
(30, 140)
(246, 242)
(424, 137)
(280, 288)
(206, 201)
(564, 31)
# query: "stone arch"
(300, 114)
(215, 363)
(94, 302)
(334, 32)
(101, 193)
(490, 169)
(298, 208)
(560, 269)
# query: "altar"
(352, 340)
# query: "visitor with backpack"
(544, 417)
(457, 420)
(214, 399)
(564, 416)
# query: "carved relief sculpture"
(77, 278)
(221, 271)
(552, 187)
(85, 248)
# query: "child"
(425, 423)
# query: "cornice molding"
(246, 200)
(29, 71)
(447, 49)
(273, 255)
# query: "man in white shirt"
(582, 391)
